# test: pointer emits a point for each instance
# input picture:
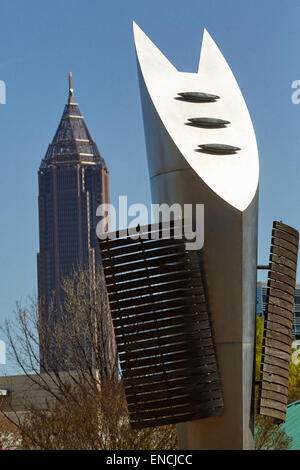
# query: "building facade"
(73, 181)
(262, 288)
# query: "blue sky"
(40, 42)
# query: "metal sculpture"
(180, 172)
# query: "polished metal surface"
(228, 188)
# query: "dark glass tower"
(73, 181)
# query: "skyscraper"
(73, 181)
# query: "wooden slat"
(277, 345)
(217, 411)
(286, 245)
(159, 288)
(197, 406)
(180, 388)
(276, 370)
(164, 277)
(269, 395)
(276, 310)
(278, 337)
(166, 305)
(274, 413)
(170, 401)
(279, 320)
(163, 349)
(267, 403)
(152, 262)
(144, 255)
(279, 328)
(166, 359)
(273, 292)
(276, 266)
(144, 323)
(283, 355)
(272, 300)
(287, 280)
(185, 364)
(283, 287)
(140, 247)
(285, 236)
(283, 390)
(286, 228)
(275, 361)
(151, 271)
(290, 258)
(274, 378)
(185, 376)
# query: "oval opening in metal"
(208, 122)
(198, 96)
(219, 149)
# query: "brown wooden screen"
(162, 329)
(273, 390)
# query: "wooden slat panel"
(162, 329)
(278, 321)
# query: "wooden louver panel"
(273, 390)
(162, 329)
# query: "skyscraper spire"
(71, 90)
